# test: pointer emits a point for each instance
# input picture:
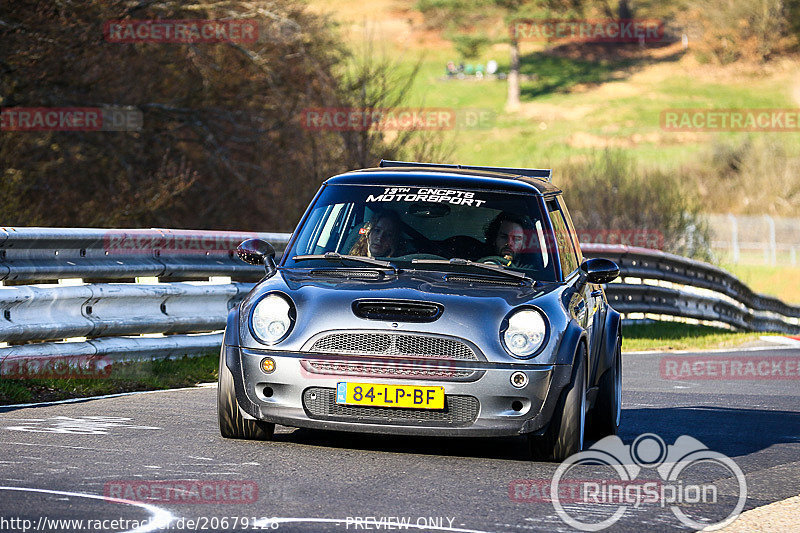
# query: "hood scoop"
(348, 273)
(397, 310)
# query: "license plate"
(374, 395)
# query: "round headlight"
(525, 333)
(270, 318)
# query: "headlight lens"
(271, 320)
(525, 333)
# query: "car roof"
(453, 178)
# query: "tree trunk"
(512, 104)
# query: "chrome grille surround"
(394, 371)
(382, 343)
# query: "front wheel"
(605, 416)
(232, 425)
(564, 434)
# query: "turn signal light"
(268, 365)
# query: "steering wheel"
(496, 260)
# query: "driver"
(380, 237)
(505, 235)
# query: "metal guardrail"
(108, 317)
(99, 307)
(41, 254)
(721, 296)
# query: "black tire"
(232, 425)
(604, 417)
(565, 432)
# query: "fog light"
(267, 365)
(519, 379)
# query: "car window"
(566, 251)
(571, 229)
(407, 223)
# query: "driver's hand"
(497, 260)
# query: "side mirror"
(257, 252)
(599, 270)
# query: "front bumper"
(483, 404)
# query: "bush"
(732, 30)
(609, 192)
(470, 46)
(762, 171)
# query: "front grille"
(394, 344)
(320, 403)
(343, 368)
(399, 310)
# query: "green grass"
(124, 377)
(680, 336)
(780, 281)
(616, 103)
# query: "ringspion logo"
(688, 474)
(185, 31)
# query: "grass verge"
(781, 281)
(124, 377)
(680, 336)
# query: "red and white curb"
(785, 341)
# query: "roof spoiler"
(528, 172)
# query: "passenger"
(381, 237)
(505, 236)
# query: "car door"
(595, 298)
(583, 304)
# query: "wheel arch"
(612, 330)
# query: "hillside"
(583, 98)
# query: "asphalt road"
(58, 462)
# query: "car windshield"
(419, 227)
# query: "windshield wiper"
(334, 256)
(465, 262)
